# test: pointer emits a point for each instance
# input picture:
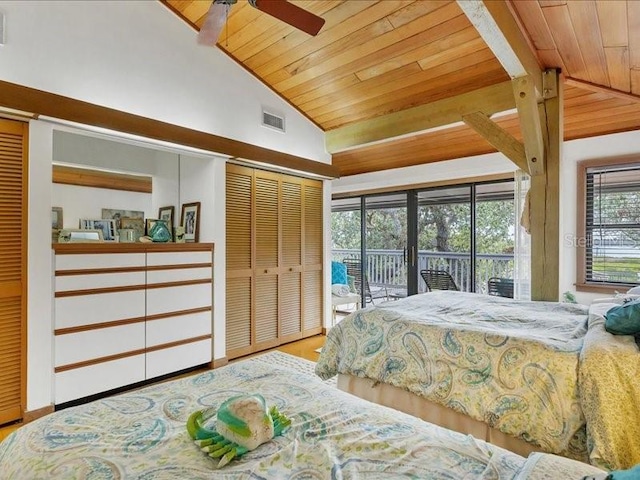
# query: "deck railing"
(388, 268)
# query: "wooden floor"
(302, 348)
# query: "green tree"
(442, 228)
(345, 230)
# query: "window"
(465, 229)
(609, 237)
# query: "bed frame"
(407, 402)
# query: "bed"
(503, 370)
(142, 435)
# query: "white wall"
(166, 188)
(573, 152)
(94, 200)
(84, 149)
(40, 269)
(203, 180)
(87, 149)
(137, 56)
(432, 172)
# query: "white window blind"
(613, 225)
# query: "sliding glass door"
(444, 234)
(466, 231)
(495, 234)
(386, 246)
(346, 242)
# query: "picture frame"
(190, 220)
(56, 218)
(118, 215)
(136, 224)
(80, 235)
(167, 214)
(107, 226)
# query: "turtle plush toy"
(243, 423)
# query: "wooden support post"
(544, 199)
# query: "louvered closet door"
(291, 270)
(13, 240)
(312, 279)
(266, 259)
(239, 186)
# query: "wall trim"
(423, 185)
(219, 362)
(31, 415)
(57, 106)
(582, 285)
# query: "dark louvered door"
(13, 241)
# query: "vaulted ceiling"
(378, 63)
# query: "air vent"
(272, 121)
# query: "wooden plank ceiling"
(375, 58)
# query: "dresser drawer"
(178, 258)
(167, 360)
(99, 261)
(174, 299)
(102, 342)
(181, 327)
(101, 377)
(178, 275)
(80, 310)
(66, 283)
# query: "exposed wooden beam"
(498, 28)
(498, 137)
(523, 91)
(544, 209)
(65, 108)
(612, 92)
(489, 100)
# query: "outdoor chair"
(354, 269)
(501, 287)
(438, 280)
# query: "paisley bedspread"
(610, 394)
(141, 435)
(511, 364)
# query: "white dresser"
(125, 313)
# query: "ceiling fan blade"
(213, 23)
(291, 14)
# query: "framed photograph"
(166, 214)
(135, 224)
(56, 217)
(118, 215)
(108, 227)
(69, 235)
(190, 220)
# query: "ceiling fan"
(281, 9)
